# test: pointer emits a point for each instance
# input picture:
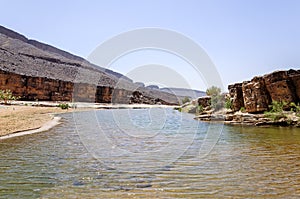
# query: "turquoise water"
(150, 153)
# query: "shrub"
(7, 96)
(216, 99)
(200, 109)
(185, 100)
(213, 91)
(64, 106)
(294, 107)
(242, 109)
(277, 107)
(217, 102)
(276, 110)
(228, 103)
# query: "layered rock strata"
(256, 95)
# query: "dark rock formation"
(258, 93)
(37, 71)
(255, 94)
(294, 76)
(280, 87)
(204, 101)
(236, 96)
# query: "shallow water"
(150, 153)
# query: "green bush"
(64, 106)
(7, 96)
(213, 91)
(228, 103)
(276, 110)
(295, 107)
(185, 100)
(200, 109)
(242, 109)
(277, 107)
(216, 99)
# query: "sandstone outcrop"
(256, 95)
(236, 95)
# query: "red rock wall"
(36, 88)
(258, 93)
(280, 87)
(45, 89)
(255, 95)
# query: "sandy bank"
(45, 127)
(15, 118)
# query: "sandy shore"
(15, 118)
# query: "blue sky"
(243, 38)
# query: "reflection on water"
(246, 162)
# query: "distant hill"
(184, 92)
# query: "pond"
(150, 153)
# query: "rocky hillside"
(257, 94)
(37, 71)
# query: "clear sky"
(243, 38)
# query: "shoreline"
(27, 117)
(88, 105)
(247, 119)
(45, 127)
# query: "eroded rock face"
(33, 88)
(294, 76)
(280, 87)
(255, 95)
(236, 96)
(259, 93)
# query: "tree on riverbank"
(217, 101)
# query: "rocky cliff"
(256, 95)
(36, 71)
